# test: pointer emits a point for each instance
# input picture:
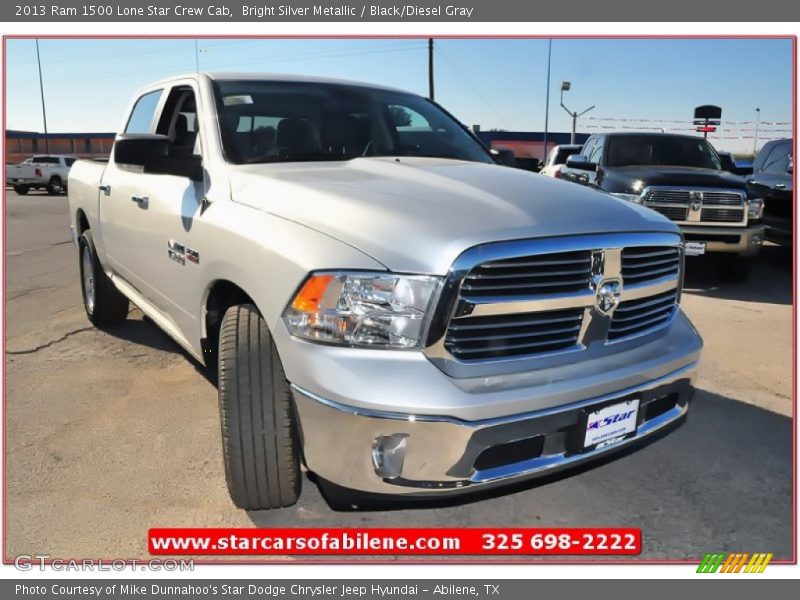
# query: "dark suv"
(681, 177)
(772, 179)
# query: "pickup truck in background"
(681, 177)
(773, 170)
(40, 172)
(378, 298)
(557, 159)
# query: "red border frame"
(282, 560)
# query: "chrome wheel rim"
(87, 268)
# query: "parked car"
(681, 177)
(556, 160)
(773, 169)
(49, 172)
(383, 303)
(730, 165)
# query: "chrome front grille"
(535, 298)
(637, 316)
(722, 199)
(529, 275)
(646, 263)
(513, 335)
(673, 213)
(656, 195)
(722, 215)
(710, 206)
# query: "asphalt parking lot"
(108, 434)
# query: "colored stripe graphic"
(736, 562)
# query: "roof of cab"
(260, 76)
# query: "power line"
(469, 84)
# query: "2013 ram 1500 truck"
(381, 301)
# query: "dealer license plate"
(694, 248)
(611, 423)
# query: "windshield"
(276, 121)
(631, 150)
(563, 153)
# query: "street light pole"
(41, 92)
(755, 138)
(565, 86)
(547, 99)
(430, 69)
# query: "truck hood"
(418, 214)
(633, 179)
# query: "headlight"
(629, 197)
(363, 309)
(755, 208)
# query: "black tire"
(104, 303)
(735, 268)
(22, 189)
(260, 443)
(55, 186)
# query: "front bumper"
(740, 240)
(415, 456)
(393, 423)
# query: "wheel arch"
(219, 296)
(81, 222)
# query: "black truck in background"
(772, 175)
(681, 177)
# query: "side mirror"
(504, 156)
(580, 162)
(790, 168)
(151, 153)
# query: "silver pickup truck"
(382, 303)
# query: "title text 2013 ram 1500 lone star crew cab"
(382, 302)
(681, 177)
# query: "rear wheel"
(22, 189)
(260, 442)
(104, 303)
(55, 185)
(735, 268)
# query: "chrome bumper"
(394, 453)
(740, 240)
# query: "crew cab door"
(148, 218)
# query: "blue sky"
(495, 83)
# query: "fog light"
(756, 240)
(388, 455)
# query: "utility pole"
(41, 92)
(755, 138)
(196, 56)
(565, 86)
(430, 68)
(547, 98)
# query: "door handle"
(106, 189)
(142, 201)
(780, 186)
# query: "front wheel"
(105, 305)
(22, 189)
(260, 442)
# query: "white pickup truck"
(48, 172)
(381, 302)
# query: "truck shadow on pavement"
(770, 280)
(139, 329)
(722, 479)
